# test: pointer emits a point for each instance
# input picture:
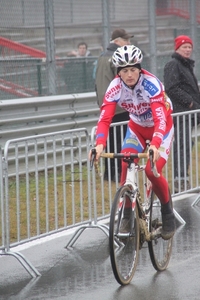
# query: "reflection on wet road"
(84, 271)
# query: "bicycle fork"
(131, 196)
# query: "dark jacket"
(105, 72)
(181, 84)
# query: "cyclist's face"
(185, 50)
(130, 75)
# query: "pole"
(106, 22)
(50, 46)
(152, 36)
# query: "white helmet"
(127, 56)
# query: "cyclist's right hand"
(156, 153)
(99, 150)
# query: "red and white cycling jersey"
(147, 104)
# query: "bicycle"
(145, 222)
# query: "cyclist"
(142, 95)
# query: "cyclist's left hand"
(156, 152)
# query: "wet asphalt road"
(84, 271)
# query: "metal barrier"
(2, 216)
(47, 187)
(194, 147)
(39, 115)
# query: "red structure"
(177, 8)
(9, 47)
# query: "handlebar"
(127, 156)
(124, 155)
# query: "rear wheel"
(159, 249)
(124, 246)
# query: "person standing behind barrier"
(105, 72)
(77, 70)
(82, 51)
(182, 88)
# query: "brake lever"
(93, 157)
(94, 162)
(153, 166)
(151, 158)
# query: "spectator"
(78, 70)
(182, 87)
(105, 72)
(82, 51)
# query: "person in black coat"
(182, 88)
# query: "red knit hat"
(182, 39)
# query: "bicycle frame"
(143, 207)
(131, 175)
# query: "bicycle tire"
(159, 249)
(124, 250)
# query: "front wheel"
(159, 249)
(124, 244)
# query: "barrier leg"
(24, 262)
(178, 217)
(74, 238)
(93, 223)
(196, 201)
